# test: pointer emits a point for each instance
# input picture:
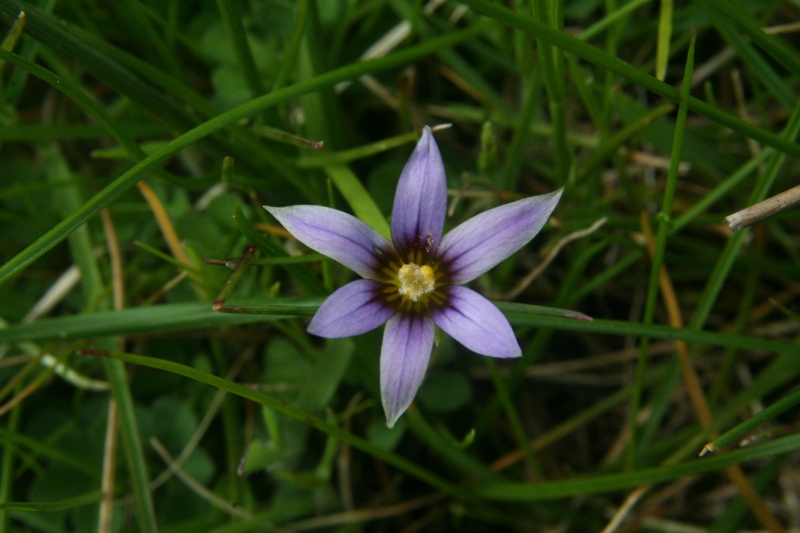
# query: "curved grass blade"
(358, 198)
(629, 72)
(57, 505)
(150, 163)
(625, 480)
(49, 451)
(88, 104)
(299, 272)
(62, 38)
(738, 432)
(287, 409)
(612, 143)
(522, 317)
(13, 35)
(784, 54)
(231, 12)
(760, 67)
(153, 319)
(192, 316)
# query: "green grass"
(124, 395)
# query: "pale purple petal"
(407, 345)
(336, 234)
(353, 309)
(420, 202)
(476, 323)
(483, 241)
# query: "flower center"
(415, 281)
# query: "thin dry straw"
(764, 209)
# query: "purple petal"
(407, 345)
(336, 234)
(476, 323)
(483, 241)
(354, 309)
(420, 202)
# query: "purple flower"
(415, 281)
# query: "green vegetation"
(155, 369)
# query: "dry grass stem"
(533, 274)
(764, 209)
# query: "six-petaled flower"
(415, 281)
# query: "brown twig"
(764, 209)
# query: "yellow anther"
(415, 280)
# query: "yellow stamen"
(416, 281)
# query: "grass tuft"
(155, 368)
